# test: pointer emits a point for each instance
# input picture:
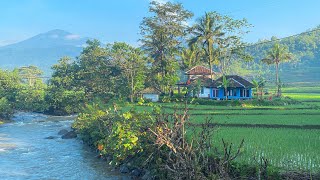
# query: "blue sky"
(118, 20)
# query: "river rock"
(146, 176)
(63, 132)
(136, 172)
(124, 169)
(51, 137)
(69, 135)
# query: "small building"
(151, 94)
(199, 71)
(238, 88)
(205, 86)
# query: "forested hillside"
(305, 47)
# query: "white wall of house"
(152, 97)
(204, 92)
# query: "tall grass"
(290, 149)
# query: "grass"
(283, 144)
(301, 90)
(258, 119)
(290, 149)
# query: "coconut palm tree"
(259, 86)
(190, 57)
(207, 33)
(262, 84)
(225, 83)
(256, 85)
(278, 54)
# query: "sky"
(119, 20)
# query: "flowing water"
(25, 153)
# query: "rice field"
(288, 136)
(290, 149)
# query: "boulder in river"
(124, 169)
(63, 132)
(51, 137)
(69, 135)
(136, 172)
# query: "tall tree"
(163, 35)
(30, 73)
(278, 54)
(225, 84)
(96, 72)
(190, 57)
(207, 34)
(221, 38)
(132, 63)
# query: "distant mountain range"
(42, 50)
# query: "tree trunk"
(226, 92)
(132, 89)
(277, 79)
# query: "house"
(238, 88)
(151, 94)
(199, 71)
(194, 74)
(200, 77)
(204, 83)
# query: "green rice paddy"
(288, 136)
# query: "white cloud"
(72, 37)
(160, 1)
(7, 42)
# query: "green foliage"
(9, 84)
(220, 37)
(305, 49)
(278, 54)
(31, 98)
(20, 94)
(6, 110)
(254, 102)
(116, 134)
(64, 102)
(163, 34)
(30, 74)
(64, 96)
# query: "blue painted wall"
(238, 90)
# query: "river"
(25, 153)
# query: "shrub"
(6, 110)
(115, 134)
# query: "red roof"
(199, 70)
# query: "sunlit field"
(288, 136)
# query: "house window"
(215, 93)
(235, 92)
(202, 90)
(247, 93)
(242, 93)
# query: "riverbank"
(4, 121)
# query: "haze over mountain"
(306, 50)
(42, 50)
